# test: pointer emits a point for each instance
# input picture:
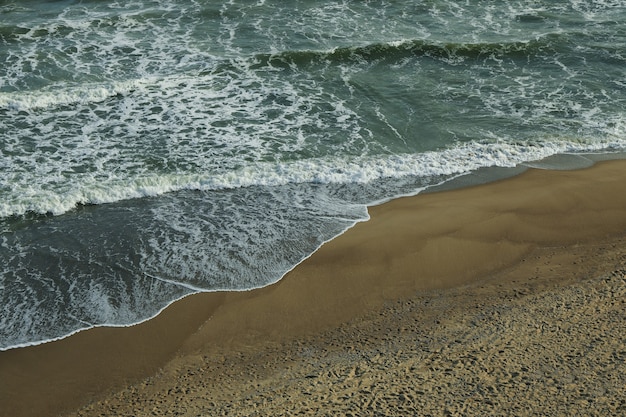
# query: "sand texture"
(535, 347)
(502, 299)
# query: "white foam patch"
(68, 95)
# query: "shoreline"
(483, 176)
(564, 162)
(434, 242)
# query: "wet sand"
(506, 298)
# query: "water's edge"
(474, 178)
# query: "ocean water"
(153, 149)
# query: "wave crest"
(398, 50)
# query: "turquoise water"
(152, 149)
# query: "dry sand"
(501, 299)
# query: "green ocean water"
(152, 149)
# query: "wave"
(388, 52)
(459, 159)
(401, 49)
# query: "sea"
(154, 149)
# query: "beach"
(506, 298)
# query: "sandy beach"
(507, 298)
